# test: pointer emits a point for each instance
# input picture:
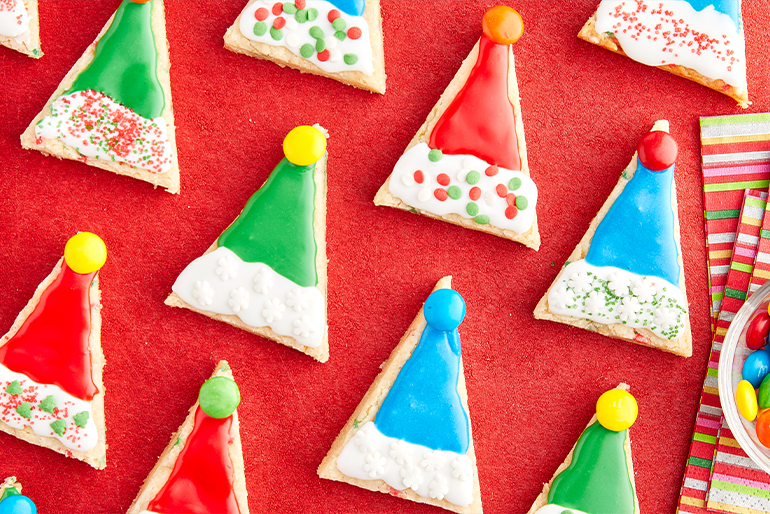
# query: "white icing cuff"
(221, 282)
(65, 407)
(341, 53)
(611, 295)
(441, 475)
(556, 509)
(14, 20)
(97, 126)
(505, 199)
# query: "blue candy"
(756, 367)
(17, 504)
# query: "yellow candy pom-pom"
(616, 410)
(85, 253)
(502, 25)
(304, 145)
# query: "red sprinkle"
(475, 193)
(443, 179)
(333, 15)
(491, 171)
(502, 190)
(511, 212)
(300, 4)
(261, 14)
(279, 23)
(323, 56)
(277, 8)
(510, 199)
(419, 176)
(440, 194)
(354, 33)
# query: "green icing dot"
(14, 388)
(514, 184)
(320, 45)
(48, 405)
(276, 34)
(25, 410)
(316, 32)
(339, 24)
(81, 418)
(340, 34)
(454, 192)
(307, 50)
(481, 220)
(472, 208)
(289, 8)
(350, 59)
(312, 14)
(219, 396)
(435, 155)
(58, 426)
(260, 28)
(301, 16)
(521, 203)
(473, 177)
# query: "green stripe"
(741, 489)
(734, 293)
(701, 463)
(712, 372)
(704, 438)
(739, 266)
(756, 202)
(734, 186)
(731, 120)
(717, 296)
(764, 234)
(723, 215)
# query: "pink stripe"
(717, 289)
(741, 481)
(714, 364)
(735, 170)
(745, 252)
(708, 423)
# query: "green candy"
(316, 32)
(473, 177)
(219, 397)
(340, 34)
(514, 184)
(260, 28)
(301, 16)
(339, 24)
(81, 418)
(521, 203)
(289, 8)
(435, 155)
(307, 50)
(320, 45)
(454, 192)
(350, 59)
(276, 34)
(763, 398)
(472, 208)
(481, 220)
(312, 14)
(25, 410)
(48, 405)
(14, 388)
(58, 426)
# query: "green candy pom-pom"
(14, 388)
(481, 220)
(81, 418)
(454, 192)
(276, 34)
(473, 177)
(301, 16)
(339, 24)
(58, 426)
(435, 155)
(307, 50)
(472, 208)
(521, 203)
(260, 28)
(312, 14)
(289, 8)
(48, 405)
(316, 32)
(350, 59)
(340, 34)
(514, 184)
(320, 45)
(219, 397)
(25, 410)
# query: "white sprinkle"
(424, 194)
(291, 23)
(292, 40)
(331, 42)
(489, 198)
(407, 179)
(462, 174)
(334, 55)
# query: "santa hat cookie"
(468, 162)
(12, 501)
(411, 435)
(701, 40)
(625, 279)
(267, 272)
(113, 109)
(597, 477)
(19, 27)
(201, 469)
(51, 391)
(339, 39)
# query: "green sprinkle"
(307, 50)
(35, 51)
(81, 418)
(339, 24)
(473, 177)
(312, 14)
(521, 203)
(58, 427)
(48, 405)
(351, 59)
(454, 192)
(340, 34)
(178, 441)
(514, 184)
(316, 32)
(289, 8)
(25, 410)
(320, 45)
(481, 220)
(14, 388)
(301, 16)
(435, 155)
(260, 28)
(276, 34)
(472, 208)
(224, 367)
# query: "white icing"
(611, 295)
(297, 34)
(443, 475)
(707, 41)
(74, 437)
(552, 508)
(97, 126)
(14, 20)
(255, 293)
(402, 185)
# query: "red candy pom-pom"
(440, 194)
(277, 8)
(279, 23)
(333, 15)
(354, 33)
(261, 14)
(323, 56)
(657, 150)
(756, 334)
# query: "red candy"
(300, 4)
(323, 56)
(354, 33)
(511, 212)
(491, 171)
(475, 193)
(279, 23)
(443, 179)
(440, 194)
(756, 334)
(261, 14)
(511, 200)
(419, 176)
(277, 8)
(333, 15)
(763, 428)
(502, 190)
(657, 150)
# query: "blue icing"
(351, 7)
(729, 7)
(17, 504)
(423, 405)
(637, 234)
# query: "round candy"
(657, 150)
(219, 397)
(502, 25)
(304, 145)
(763, 396)
(616, 410)
(763, 428)
(85, 253)
(444, 309)
(17, 504)
(746, 398)
(756, 367)
(140, 1)
(756, 334)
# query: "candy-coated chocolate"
(304, 145)
(763, 397)
(657, 150)
(746, 399)
(763, 428)
(616, 410)
(85, 253)
(756, 367)
(219, 397)
(17, 504)
(756, 334)
(502, 25)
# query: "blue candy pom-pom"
(444, 309)
(17, 504)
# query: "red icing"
(202, 479)
(480, 120)
(475, 193)
(333, 15)
(51, 347)
(277, 8)
(440, 194)
(261, 14)
(354, 33)
(502, 190)
(443, 179)
(279, 23)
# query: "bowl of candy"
(744, 377)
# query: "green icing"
(9, 491)
(48, 404)
(58, 426)
(14, 388)
(81, 418)
(25, 410)
(596, 480)
(276, 225)
(125, 64)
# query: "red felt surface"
(531, 384)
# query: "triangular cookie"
(201, 469)
(339, 39)
(611, 482)
(267, 272)
(628, 282)
(51, 361)
(20, 27)
(113, 109)
(467, 164)
(427, 455)
(695, 39)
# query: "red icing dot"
(443, 179)
(511, 212)
(279, 23)
(510, 199)
(440, 194)
(333, 15)
(323, 56)
(657, 150)
(475, 193)
(419, 176)
(300, 4)
(491, 171)
(261, 14)
(354, 33)
(277, 8)
(502, 190)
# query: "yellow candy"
(304, 145)
(616, 410)
(85, 252)
(746, 398)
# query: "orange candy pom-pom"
(502, 25)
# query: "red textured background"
(531, 384)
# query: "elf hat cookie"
(267, 272)
(701, 40)
(201, 469)
(113, 109)
(411, 434)
(339, 39)
(625, 279)
(12, 501)
(19, 27)
(468, 162)
(597, 477)
(51, 391)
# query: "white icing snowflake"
(580, 282)
(375, 464)
(364, 439)
(297, 299)
(665, 318)
(400, 452)
(461, 468)
(489, 198)
(432, 461)
(629, 308)
(412, 476)
(273, 310)
(292, 39)
(203, 292)
(463, 174)
(438, 487)
(619, 284)
(303, 326)
(595, 302)
(263, 281)
(407, 179)
(239, 299)
(644, 290)
(424, 194)
(227, 267)
(564, 298)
